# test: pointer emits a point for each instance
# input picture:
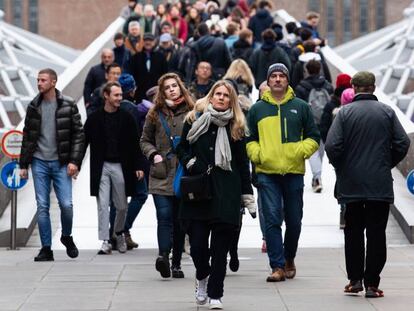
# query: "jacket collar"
(364, 96)
(39, 97)
(267, 96)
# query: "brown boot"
(278, 275)
(130, 242)
(290, 268)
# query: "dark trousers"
(215, 267)
(234, 245)
(371, 216)
(169, 231)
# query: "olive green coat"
(154, 140)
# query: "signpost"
(10, 175)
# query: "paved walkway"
(320, 220)
(129, 281)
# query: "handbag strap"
(166, 127)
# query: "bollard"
(13, 219)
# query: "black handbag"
(196, 187)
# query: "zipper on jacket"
(285, 123)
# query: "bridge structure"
(129, 281)
(22, 54)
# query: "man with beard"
(113, 137)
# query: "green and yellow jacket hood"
(282, 134)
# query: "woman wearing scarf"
(213, 137)
(171, 104)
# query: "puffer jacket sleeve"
(77, 138)
(24, 152)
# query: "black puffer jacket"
(69, 131)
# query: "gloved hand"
(249, 202)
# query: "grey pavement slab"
(123, 282)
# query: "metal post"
(13, 220)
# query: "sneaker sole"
(101, 252)
(40, 260)
(201, 302)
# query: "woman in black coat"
(212, 140)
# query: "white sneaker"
(201, 291)
(106, 248)
(215, 304)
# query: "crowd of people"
(170, 113)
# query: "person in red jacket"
(179, 24)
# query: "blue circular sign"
(10, 176)
(410, 181)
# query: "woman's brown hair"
(160, 99)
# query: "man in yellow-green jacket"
(282, 135)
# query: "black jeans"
(234, 245)
(371, 216)
(221, 237)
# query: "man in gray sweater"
(53, 143)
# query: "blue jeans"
(134, 206)
(45, 172)
(169, 231)
(281, 198)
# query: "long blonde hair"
(160, 99)
(240, 69)
(237, 124)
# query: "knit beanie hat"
(347, 96)
(344, 80)
(279, 67)
(127, 82)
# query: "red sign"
(12, 143)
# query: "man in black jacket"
(317, 87)
(365, 142)
(113, 137)
(53, 142)
(212, 50)
(96, 75)
(146, 67)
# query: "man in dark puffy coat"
(212, 50)
(53, 143)
(365, 142)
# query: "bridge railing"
(70, 82)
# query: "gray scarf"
(201, 125)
